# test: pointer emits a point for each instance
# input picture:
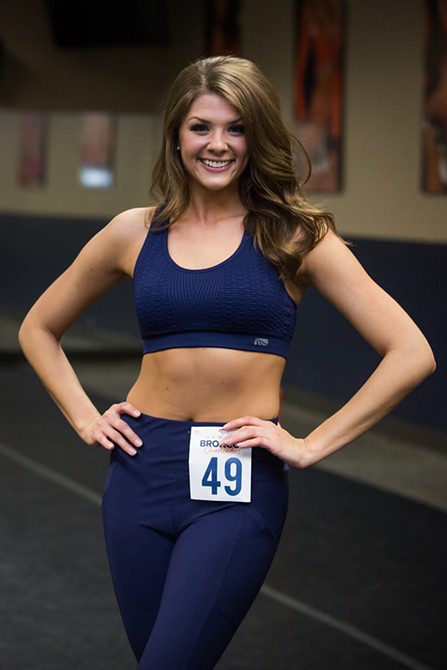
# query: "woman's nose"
(217, 141)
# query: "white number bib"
(215, 472)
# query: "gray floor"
(359, 580)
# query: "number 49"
(232, 473)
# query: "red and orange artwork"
(31, 168)
(434, 121)
(318, 88)
(222, 31)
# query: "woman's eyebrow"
(230, 123)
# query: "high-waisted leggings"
(185, 572)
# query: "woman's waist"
(212, 385)
(166, 448)
(209, 404)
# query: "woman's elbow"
(29, 330)
(24, 334)
(424, 361)
(430, 362)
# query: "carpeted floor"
(359, 581)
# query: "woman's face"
(212, 143)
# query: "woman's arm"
(407, 358)
(104, 262)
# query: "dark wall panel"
(36, 250)
(328, 358)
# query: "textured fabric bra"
(240, 303)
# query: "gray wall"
(381, 196)
(400, 232)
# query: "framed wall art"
(97, 150)
(222, 31)
(318, 88)
(31, 167)
(434, 121)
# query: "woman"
(196, 495)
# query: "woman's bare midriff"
(208, 384)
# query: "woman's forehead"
(212, 105)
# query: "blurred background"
(82, 87)
(359, 579)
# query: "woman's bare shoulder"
(130, 222)
(117, 244)
(330, 250)
(124, 235)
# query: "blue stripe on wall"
(327, 358)
(36, 250)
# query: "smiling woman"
(219, 265)
(212, 144)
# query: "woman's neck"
(208, 207)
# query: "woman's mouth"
(214, 164)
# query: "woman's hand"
(249, 431)
(108, 430)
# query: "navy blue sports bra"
(240, 303)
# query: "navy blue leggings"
(185, 572)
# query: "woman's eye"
(199, 128)
(237, 129)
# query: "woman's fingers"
(110, 431)
(243, 421)
(248, 432)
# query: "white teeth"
(216, 164)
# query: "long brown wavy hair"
(283, 223)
